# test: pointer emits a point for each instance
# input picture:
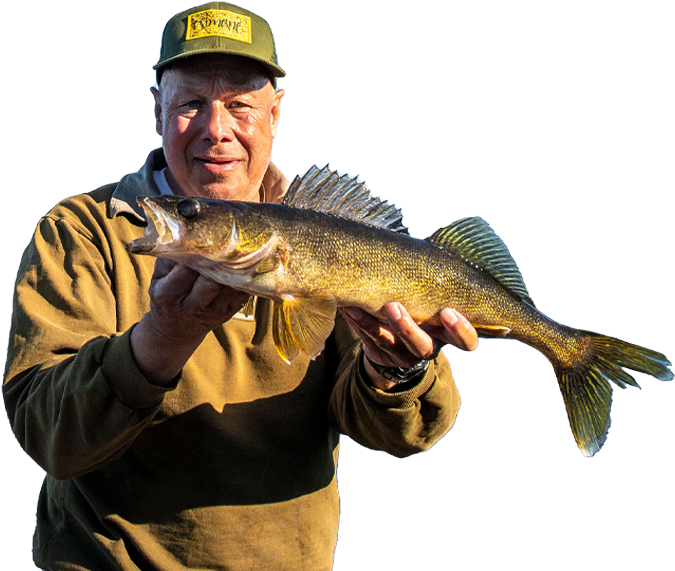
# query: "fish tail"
(585, 382)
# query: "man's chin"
(228, 189)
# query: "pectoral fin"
(246, 255)
(492, 330)
(302, 324)
(269, 264)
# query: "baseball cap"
(219, 27)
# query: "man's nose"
(219, 124)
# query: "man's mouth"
(219, 164)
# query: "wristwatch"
(401, 375)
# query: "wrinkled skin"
(217, 123)
(217, 116)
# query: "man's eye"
(195, 104)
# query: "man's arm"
(184, 307)
(80, 382)
(398, 419)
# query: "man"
(172, 434)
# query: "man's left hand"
(400, 342)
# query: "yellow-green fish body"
(331, 244)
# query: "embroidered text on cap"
(219, 23)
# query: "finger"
(366, 341)
(376, 340)
(369, 328)
(454, 330)
(380, 343)
(175, 284)
(461, 332)
(163, 267)
(229, 301)
(415, 339)
(203, 292)
(439, 334)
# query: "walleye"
(331, 244)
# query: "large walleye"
(332, 244)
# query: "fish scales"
(359, 266)
(331, 244)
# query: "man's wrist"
(158, 357)
(384, 383)
(400, 375)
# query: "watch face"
(401, 374)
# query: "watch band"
(401, 375)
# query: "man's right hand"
(184, 307)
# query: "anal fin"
(492, 330)
(302, 324)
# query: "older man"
(172, 435)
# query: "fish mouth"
(157, 232)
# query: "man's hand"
(184, 307)
(188, 304)
(403, 343)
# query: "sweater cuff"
(399, 399)
(125, 378)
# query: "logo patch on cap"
(219, 23)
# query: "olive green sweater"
(233, 466)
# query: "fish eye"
(188, 208)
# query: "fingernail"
(393, 311)
(354, 312)
(450, 316)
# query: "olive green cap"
(218, 27)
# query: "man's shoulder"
(84, 204)
(88, 214)
(275, 184)
(110, 200)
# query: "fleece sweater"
(233, 466)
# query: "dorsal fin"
(476, 242)
(323, 190)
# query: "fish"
(331, 244)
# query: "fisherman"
(172, 434)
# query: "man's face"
(217, 118)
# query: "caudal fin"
(586, 389)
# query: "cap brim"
(276, 71)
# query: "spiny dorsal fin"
(475, 241)
(323, 190)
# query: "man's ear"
(158, 110)
(276, 110)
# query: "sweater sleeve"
(399, 423)
(74, 396)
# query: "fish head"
(179, 225)
(195, 230)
